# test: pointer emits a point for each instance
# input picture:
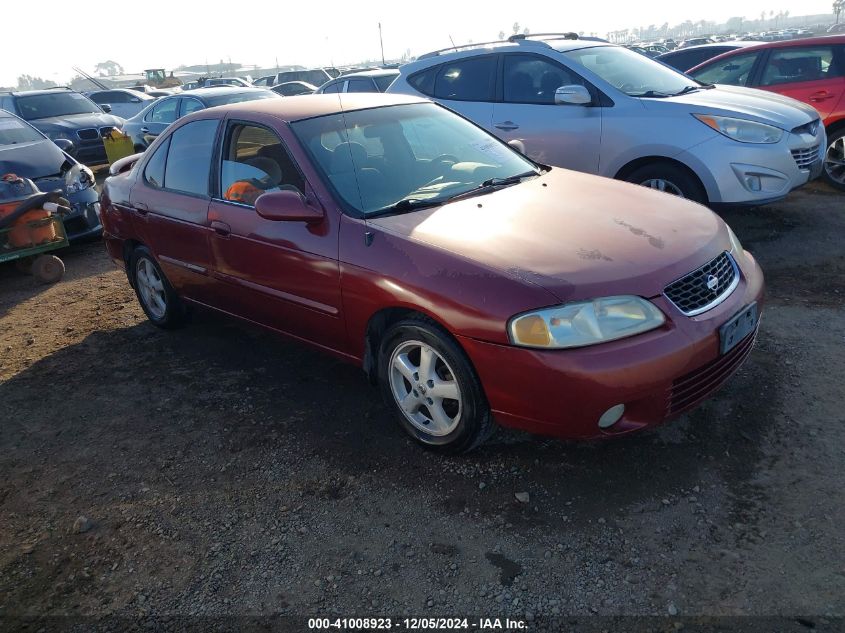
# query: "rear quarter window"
(466, 79)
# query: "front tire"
(431, 386)
(669, 178)
(159, 301)
(834, 160)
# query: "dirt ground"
(218, 470)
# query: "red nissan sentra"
(474, 285)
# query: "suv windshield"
(55, 104)
(401, 157)
(13, 131)
(632, 73)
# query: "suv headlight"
(78, 178)
(57, 135)
(585, 323)
(742, 130)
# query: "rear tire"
(669, 178)
(834, 160)
(159, 301)
(48, 269)
(431, 386)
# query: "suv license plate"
(737, 328)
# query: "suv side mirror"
(105, 108)
(573, 95)
(287, 206)
(66, 145)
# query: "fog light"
(753, 183)
(611, 416)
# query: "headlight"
(742, 130)
(736, 246)
(78, 178)
(58, 134)
(585, 323)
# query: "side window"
(164, 112)
(531, 79)
(383, 83)
(360, 85)
(733, 71)
(466, 79)
(189, 158)
(154, 171)
(191, 105)
(793, 64)
(255, 161)
(101, 97)
(117, 97)
(424, 80)
(335, 87)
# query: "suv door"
(170, 203)
(812, 74)
(465, 85)
(562, 135)
(284, 275)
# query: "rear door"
(162, 114)
(284, 275)
(465, 85)
(170, 206)
(561, 135)
(812, 74)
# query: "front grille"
(804, 158)
(105, 131)
(705, 287)
(88, 134)
(692, 388)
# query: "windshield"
(316, 76)
(238, 97)
(13, 132)
(418, 153)
(55, 104)
(630, 72)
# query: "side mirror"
(573, 95)
(66, 145)
(287, 206)
(105, 108)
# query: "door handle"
(506, 125)
(145, 130)
(221, 228)
(822, 95)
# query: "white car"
(122, 102)
(606, 110)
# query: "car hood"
(32, 160)
(73, 122)
(757, 105)
(576, 235)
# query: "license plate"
(737, 328)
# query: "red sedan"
(473, 284)
(810, 70)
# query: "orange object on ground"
(22, 234)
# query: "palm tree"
(838, 7)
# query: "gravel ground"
(219, 470)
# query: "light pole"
(381, 42)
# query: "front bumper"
(657, 375)
(754, 174)
(83, 222)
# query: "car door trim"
(278, 294)
(182, 264)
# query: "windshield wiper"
(493, 183)
(689, 89)
(652, 94)
(406, 205)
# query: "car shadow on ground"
(217, 394)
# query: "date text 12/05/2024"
(416, 624)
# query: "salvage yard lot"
(223, 470)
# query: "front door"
(158, 118)
(284, 275)
(527, 117)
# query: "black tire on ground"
(678, 180)
(175, 313)
(474, 420)
(48, 269)
(837, 154)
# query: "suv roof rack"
(519, 38)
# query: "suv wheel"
(429, 383)
(670, 179)
(834, 160)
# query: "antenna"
(99, 84)
(381, 41)
(453, 42)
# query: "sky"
(319, 33)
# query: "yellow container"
(118, 145)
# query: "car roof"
(378, 72)
(301, 107)
(699, 47)
(807, 41)
(216, 91)
(43, 91)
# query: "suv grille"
(805, 157)
(88, 134)
(105, 131)
(705, 287)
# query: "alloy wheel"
(425, 388)
(666, 186)
(151, 288)
(834, 161)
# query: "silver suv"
(606, 110)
